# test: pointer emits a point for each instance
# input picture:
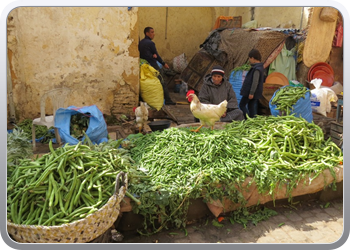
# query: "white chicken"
(141, 113)
(207, 114)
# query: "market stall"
(235, 166)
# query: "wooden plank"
(336, 135)
(179, 113)
(337, 127)
(253, 196)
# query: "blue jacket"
(247, 84)
(147, 49)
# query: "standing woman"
(252, 87)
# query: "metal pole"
(302, 17)
(166, 23)
(9, 93)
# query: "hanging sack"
(321, 98)
(96, 131)
(180, 63)
(329, 14)
(151, 90)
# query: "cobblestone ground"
(315, 222)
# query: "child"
(252, 86)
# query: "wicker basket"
(268, 90)
(79, 231)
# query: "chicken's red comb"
(133, 110)
(190, 92)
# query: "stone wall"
(91, 50)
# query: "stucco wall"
(177, 29)
(91, 50)
(281, 17)
(182, 29)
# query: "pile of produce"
(41, 132)
(64, 185)
(287, 97)
(183, 165)
(166, 169)
(244, 67)
(79, 123)
(18, 146)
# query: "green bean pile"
(26, 126)
(64, 185)
(18, 147)
(287, 97)
(185, 165)
(287, 148)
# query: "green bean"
(77, 196)
(72, 203)
(52, 218)
(71, 190)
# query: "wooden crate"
(336, 133)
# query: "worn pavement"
(307, 222)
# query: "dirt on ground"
(212, 233)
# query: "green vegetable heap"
(244, 67)
(79, 123)
(183, 165)
(64, 185)
(41, 131)
(18, 147)
(287, 97)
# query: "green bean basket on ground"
(64, 185)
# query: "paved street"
(308, 222)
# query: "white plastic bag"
(180, 63)
(321, 98)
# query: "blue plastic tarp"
(236, 79)
(97, 130)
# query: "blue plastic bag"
(302, 108)
(236, 79)
(97, 130)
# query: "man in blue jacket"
(148, 52)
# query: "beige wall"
(177, 29)
(92, 50)
(182, 29)
(282, 17)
